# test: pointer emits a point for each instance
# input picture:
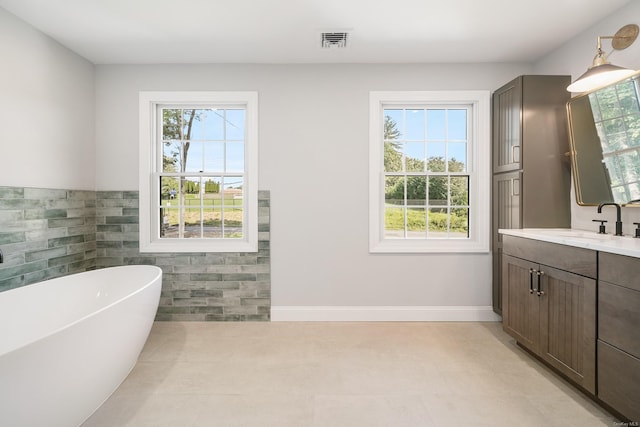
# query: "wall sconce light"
(601, 71)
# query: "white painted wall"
(314, 158)
(313, 153)
(574, 58)
(46, 111)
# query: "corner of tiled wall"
(45, 233)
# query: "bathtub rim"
(157, 276)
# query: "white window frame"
(149, 153)
(479, 169)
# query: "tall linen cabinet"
(531, 173)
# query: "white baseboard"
(383, 314)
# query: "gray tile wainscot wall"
(48, 233)
(45, 233)
(195, 286)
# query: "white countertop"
(622, 245)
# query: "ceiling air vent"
(334, 40)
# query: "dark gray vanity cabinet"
(531, 177)
(549, 304)
(619, 333)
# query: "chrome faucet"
(618, 221)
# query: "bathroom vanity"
(572, 299)
(619, 333)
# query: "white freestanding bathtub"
(67, 343)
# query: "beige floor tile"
(583, 411)
(371, 411)
(256, 410)
(341, 374)
(482, 411)
(148, 410)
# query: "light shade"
(599, 76)
(601, 72)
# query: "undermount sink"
(580, 234)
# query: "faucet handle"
(601, 228)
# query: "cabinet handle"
(540, 291)
(515, 153)
(531, 270)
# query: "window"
(198, 172)
(429, 171)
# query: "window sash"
(426, 137)
(183, 210)
(227, 204)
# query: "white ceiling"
(288, 31)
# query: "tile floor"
(341, 374)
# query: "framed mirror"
(604, 128)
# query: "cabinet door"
(506, 214)
(568, 325)
(520, 308)
(507, 130)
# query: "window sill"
(201, 245)
(429, 246)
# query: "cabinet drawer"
(576, 260)
(621, 270)
(619, 317)
(619, 380)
